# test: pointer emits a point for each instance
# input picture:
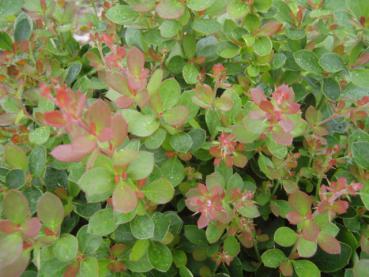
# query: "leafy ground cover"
(184, 138)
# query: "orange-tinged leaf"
(124, 199)
(75, 151)
(55, 119)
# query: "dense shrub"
(184, 138)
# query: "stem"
(330, 118)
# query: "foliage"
(184, 138)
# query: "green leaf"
(360, 77)
(214, 231)
(249, 211)
(38, 161)
(196, 5)
(142, 227)
(50, 211)
(102, 223)
(306, 248)
(8, 8)
(237, 9)
(206, 26)
(15, 178)
(278, 150)
(179, 258)
(231, 246)
(169, 28)
(6, 42)
(359, 7)
(189, 45)
(190, 73)
(364, 195)
(11, 247)
(142, 166)
(140, 125)
(263, 46)
(173, 170)
(160, 256)
(160, 191)
(15, 157)
(195, 235)
(121, 14)
(305, 268)
(262, 5)
(308, 61)
(332, 263)
(156, 139)
(176, 116)
(181, 142)
(212, 119)
(89, 267)
(142, 265)
(273, 258)
(360, 153)
(331, 89)
(331, 62)
(97, 183)
(155, 81)
(170, 92)
(39, 135)
(23, 27)
(66, 247)
(184, 272)
(198, 137)
(361, 268)
(72, 72)
(228, 50)
(285, 236)
(279, 59)
(162, 225)
(248, 131)
(139, 249)
(88, 243)
(15, 207)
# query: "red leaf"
(74, 152)
(270, 28)
(116, 81)
(120, 129)
(311, 231)
(257, 95)
(62, 97)
(135, 61)
(7, 227)
(72, 270)
(32, 227)
(282, 137)
(124, 102)
(55, 119)
(99, 114)
(266, 106)
(294, 217)
(286, 124)
(329, 244)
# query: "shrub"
(184, 138)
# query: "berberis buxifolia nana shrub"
(184, 138)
